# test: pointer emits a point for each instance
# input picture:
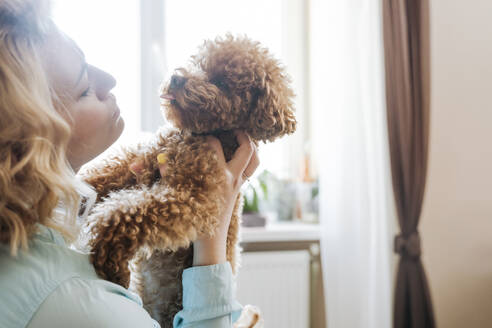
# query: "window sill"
(281, 232)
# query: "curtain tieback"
(408, 246)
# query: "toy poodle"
(142, 232)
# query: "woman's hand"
(212, 250)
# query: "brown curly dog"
(142, 231)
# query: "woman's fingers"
(243, 154)
(136, 167)
(217, 146)
(243, 163)
(253, 164)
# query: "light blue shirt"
(52, 285)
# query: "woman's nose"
(103, 81)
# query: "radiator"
(278, 283)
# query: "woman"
(56, 114)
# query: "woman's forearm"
(209, 251)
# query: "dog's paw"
(250, 318)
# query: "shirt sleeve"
(208, 298)
(81, 303)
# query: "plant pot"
(253, 219)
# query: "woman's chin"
(115, 132)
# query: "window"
(142, 42)
(110, 40)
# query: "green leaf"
(254, 205)
(264, 188)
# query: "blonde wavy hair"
(37, 184)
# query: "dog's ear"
(273, 114)
(254, 82)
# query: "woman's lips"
(116, 114)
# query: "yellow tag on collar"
(161, 158)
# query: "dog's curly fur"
(141, 231)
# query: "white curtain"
(356, 201)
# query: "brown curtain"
(406, 50)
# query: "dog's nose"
(177, 81)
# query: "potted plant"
(254, 190)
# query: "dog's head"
(233, 83)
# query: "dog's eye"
(218, 83)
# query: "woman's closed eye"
(86, 92)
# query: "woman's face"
(85, 92)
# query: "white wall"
(457, 217)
